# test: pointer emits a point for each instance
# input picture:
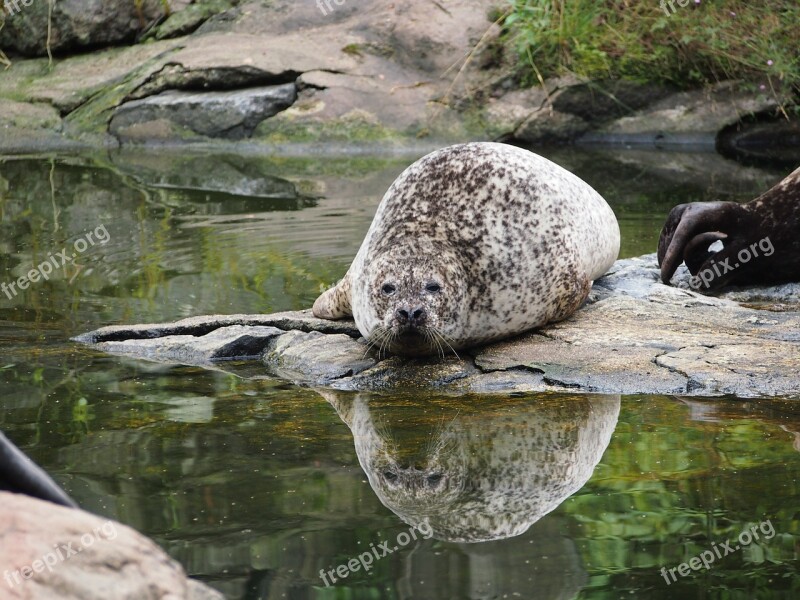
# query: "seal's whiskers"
(431, 339)
(378, 337)
(443, 338)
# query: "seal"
(759, 239)
(477, 472)
(471, 244)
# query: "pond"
(268, 490)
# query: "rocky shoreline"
(381, 74)
(634, 336)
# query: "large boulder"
(345, 63)
(74, 24)
(232, 115)
(692, 117)
(48, 551)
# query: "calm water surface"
(256, 485)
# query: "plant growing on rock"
(701, 43)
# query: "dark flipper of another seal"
(763, 231)
(19, 474)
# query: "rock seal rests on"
(760, 242)
(471, 244)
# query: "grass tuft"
(704, 42)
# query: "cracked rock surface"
(634, 336)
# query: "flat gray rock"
(634, 336)
(395, 372)
(301, 320)
(232, 115)
(316, 358)
(687, 117)
(230, 342)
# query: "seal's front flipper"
(335, 302)
(20, 475)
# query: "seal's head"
(412, 302)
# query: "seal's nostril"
(402, 315)
(418, 313)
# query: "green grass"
(704, 42)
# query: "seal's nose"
(414, 317)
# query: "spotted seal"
(759, 239)
(477, 472)
(474, 243)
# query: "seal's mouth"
(411, 337)
(411, 341)
(410, 332)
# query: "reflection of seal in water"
(491, 471)
(760, 242)
(474, 243)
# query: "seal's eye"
(389, 475)
(388, 289)
(433, 288)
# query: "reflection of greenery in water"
(693, 483)
(162, 243)
(254, 484)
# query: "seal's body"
(474, 243)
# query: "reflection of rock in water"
(777, 412)
(484, 471)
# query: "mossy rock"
(189, 19)
(293, 125)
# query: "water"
(255, 485)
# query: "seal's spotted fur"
(477, 242)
